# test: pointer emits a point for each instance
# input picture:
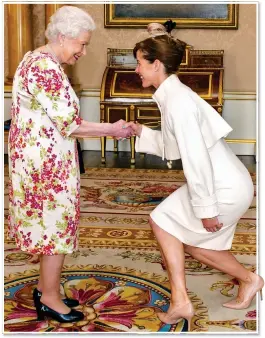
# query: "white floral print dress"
(44, 174)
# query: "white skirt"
(234, 191)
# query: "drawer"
(198, 61)
(151, 124)
(115, 113)
(149, 113)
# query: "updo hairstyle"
(162, 46)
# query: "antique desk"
(122, 95)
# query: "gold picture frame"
(198, 16)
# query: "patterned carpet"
(118, 274)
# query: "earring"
(61, 44)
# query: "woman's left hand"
(211, 224)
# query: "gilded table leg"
(103, 149)
(115, 145)
(132, 139)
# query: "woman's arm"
(196, 161)
(148, 141)
(102, 129)
(55, 98)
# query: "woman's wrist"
(139, 130)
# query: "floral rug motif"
(130, 196)
(127, 283)
(110, 301)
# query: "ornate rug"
(117, 274)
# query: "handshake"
(123, 129)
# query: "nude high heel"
(249, 294)
(175, 316)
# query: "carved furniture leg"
(103, 149)
(132, 139)
(115, 145)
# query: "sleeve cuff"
(206, 207)
(72, 127)
(148, 142)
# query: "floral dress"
(44, 205)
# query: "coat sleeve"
(149, 142)
(196, 161)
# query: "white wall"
(239, 111)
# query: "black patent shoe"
(45, 311)
(67, 301)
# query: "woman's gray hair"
(69, 21)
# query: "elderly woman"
(43, 159)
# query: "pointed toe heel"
(249, 295)
(184, 312)
(189, 319)
(40, 314)
(36, 297)
(45, 311)
(189, 325)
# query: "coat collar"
(166, 86)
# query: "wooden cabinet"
(123, 97)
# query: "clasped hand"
(123, 129)
(211, 224)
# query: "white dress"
(218, 184)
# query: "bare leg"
(173, 252)
(225, 261)
(50, 277)
(221, 260)
(40, 283)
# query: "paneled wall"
(239, 71)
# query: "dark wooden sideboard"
(122, 95)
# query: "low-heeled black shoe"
(67, 301)
(45, 311)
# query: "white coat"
(192, 130)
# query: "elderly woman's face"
(75, 48)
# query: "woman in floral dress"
(43, 158)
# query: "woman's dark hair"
(163, 48)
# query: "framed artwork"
(185, 15)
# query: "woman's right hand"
(211, 224)
(119, 130)
(136, 127)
